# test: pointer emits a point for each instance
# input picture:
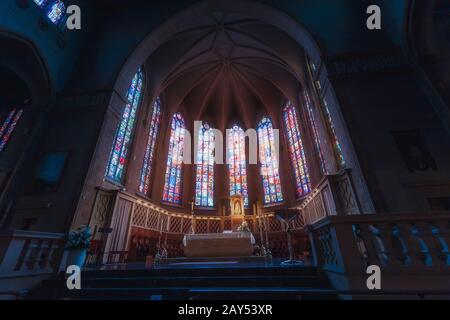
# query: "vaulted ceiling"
(227, 67)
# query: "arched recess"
(174, 26)
(25, 85)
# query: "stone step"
(183, 284)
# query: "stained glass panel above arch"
(154, 124)
(296, 149)
(237, 165)
(204, 182)
(268, 155)
(124, 134)
(174, 170)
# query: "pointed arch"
(204, 181)
(268, 155)
(154, 124)
(124, 135)
(296, 150)
(237, 164)
(173, 179)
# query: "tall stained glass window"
(269, 162)
(237, 165)
(174, 169)
(204, 182)
(337, 144)
(154, 124)
(296, 149)
(56, 11)
(124, 134)
(312, 121)
(8, 125)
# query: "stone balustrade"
(28, 257)
(335, 195)
(411, 250)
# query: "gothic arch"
(29, 66)
(176, 23)
(27, 70)
(179, 22)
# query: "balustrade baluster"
(419, 249)
(399, 248)
(440, 231)
(378, 242)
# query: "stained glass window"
(312, 121)
(56, 11)
(174, 170)
(296, 149)
(124, 134)
(41, 3)
(204, 182)
(337, 145)
(236, 163)
(269, 162)
(154, 124)
(8, 126)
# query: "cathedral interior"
(255, 138)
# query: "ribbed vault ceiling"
(227, 67)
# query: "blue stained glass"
(172, 184)
(237, 165)
(8, 126)
(56, 11)
(269, 162)
(124, 134)
(204, 191)
(296, 149)
(154, 124)
(41, 3)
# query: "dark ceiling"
(229, 67)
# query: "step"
(185, 293)
(182, 284)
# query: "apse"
(227, 67)
(232, 72)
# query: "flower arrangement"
(79, 238)
(244, 227)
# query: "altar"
(231, 244)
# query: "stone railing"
(335, 195)
(411, 250)
(27, 257)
